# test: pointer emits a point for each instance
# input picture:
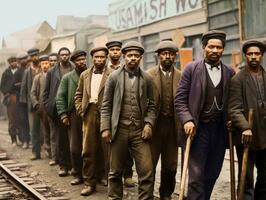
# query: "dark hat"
(22, 55)
(113, 43)
(213, 34)
(77, 54)
(11, 59)
(33, 51)
(95, 49)
(166, 45)
(44, 58)
(252, 43)
(133, 45)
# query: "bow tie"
(215, 66)
(132, 74)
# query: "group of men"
(95, 121)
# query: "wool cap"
(95, 49)
(33, 51)
(77, 53)
(166, 45)
(213, 34)
(252, 43)
(113, 43)
(132, 45)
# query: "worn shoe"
(35, 157)
(52, 163)
(62, 172)
(88, 190)
(25, 145)
(76, 181)
(128, 182)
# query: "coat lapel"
(157, 80)
(104, 78)
(250, 83)
(87, 81)
(121, 82)
(176, 78)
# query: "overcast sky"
(16, 15)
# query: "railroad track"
(16, 183)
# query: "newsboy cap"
(11, 59)
(252, 43)
(95, 49)
(22, 55)
(33, 51)
(132, 45)
(44, 58)
(113, 43)
(77, 53)
(166, 45)
(213, 34)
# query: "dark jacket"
(243, 96)
(113, 99)
(7, 81)
(53, 79)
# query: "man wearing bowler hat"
(164, 141)
(127, 118)
(201, 106)
(248, 91)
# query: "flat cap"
(11, 59)
(95, 49)
(44, 58)
(22, 55)
(33, 51)
(213, 34)
(113, 43)
(166, 45)
(77, 53)
(252, 43)
(132, 45)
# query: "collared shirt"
(13, 70)
(164, 72)
(95, 85)
(115, 67)
(215, 73)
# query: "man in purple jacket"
(200, 103)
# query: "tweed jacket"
(83, 92)
(190, 96)
(53, 79)
(113, 99)
(154, 72)
(37, 89)
(243, 96)
(66, 93)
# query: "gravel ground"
(48, 175)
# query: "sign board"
(128, 14)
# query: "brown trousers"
(129, 137)
(164, 144)
(94, 150)
(11, 114)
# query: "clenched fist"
(146, 132)
(66, 121)
(106, 135)
(190, 128)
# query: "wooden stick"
(232, 163)
(244, 161)
(184, 171)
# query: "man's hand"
(106, 135)
(190, 128)
(146, 132)
(246, 137)
(66, 121)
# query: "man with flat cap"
(32, 70)
(114, 49)
(21, 108)
(201, 106)
(68, 114)
(127, 118)
(10, 98)
(40, 119)
(88, 101)
(58, 131)
(248, 91)
(164, 141)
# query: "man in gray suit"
(127, 118)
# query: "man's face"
(64, 56)
(99, 59)
(13, 64)
(35, 58)
(167, 58)
(115, 53)
(23, 62)
(80, 62)
(254, 57)
(213, 50)
(132, 59)
(52, 60)
(45, 65)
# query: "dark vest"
(213, 105)
(130, 111)
(167, 107)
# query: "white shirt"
(164, 72)
(95, 84)
(214, 73)
(13, 70)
